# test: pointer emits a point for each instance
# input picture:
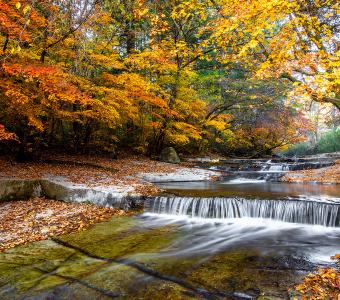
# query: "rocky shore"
(327, 175)
(64, 194)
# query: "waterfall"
(276, 168)
(294, 211)
(265, 166)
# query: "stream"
(245, 236)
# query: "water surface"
(239, 238)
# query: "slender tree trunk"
(4, 48)
(130, 36)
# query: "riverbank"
(327, 175)
(74, 179)
(37, 219)
(130, 175)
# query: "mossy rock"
(169, 155)
(18, 189)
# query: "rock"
(19, 189)
(169, 155)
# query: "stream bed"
(247, 238)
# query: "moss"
(121, 236)
(44, 265)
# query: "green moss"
(44, 265)
(120, 237)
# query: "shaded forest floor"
(37, 219)
(323, 175)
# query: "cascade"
(294, 211)
(265, 166)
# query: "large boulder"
(169, 155)
(17, 189)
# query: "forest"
(169, 149)
(226, 76)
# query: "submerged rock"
(169, 155)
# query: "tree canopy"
(224, 75)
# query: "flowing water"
(243, 237)
(293, 211)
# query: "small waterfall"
(294, 211)
(276, 168)
(266, 164)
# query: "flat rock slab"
(17, 189)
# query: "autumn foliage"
(324, 284)
(103, 75)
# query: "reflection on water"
(259, 190)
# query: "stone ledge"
(16, 189)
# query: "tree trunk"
(5, 44)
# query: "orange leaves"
(33, 90)
(5, 135)
(325, 284)
(51, 79)
(329, 174)
(18, 19)
(12, 19)
(37, 219)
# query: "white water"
(243, 180)
(292, 211)
(265, 165)
(208, 236)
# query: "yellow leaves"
(219, 125)
(178, 139)
(18, 97)
(26, 10)
(190, 9)
(18, 5)
(36, 123)
(107, 61)
(275, 37)
(181, 133)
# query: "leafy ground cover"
(37, 219)
(90, 170)
(323, 284)
(324, 175)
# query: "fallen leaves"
(95, 171)
(324, 284)
(38, 218)
(324, 175)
